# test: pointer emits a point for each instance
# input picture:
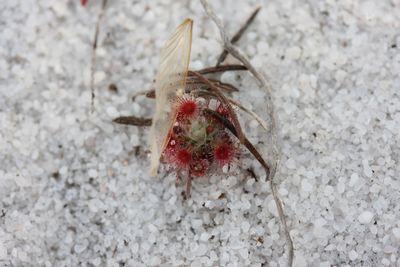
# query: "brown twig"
(94, 48)
(235, 52)
(225, 86)
(238, 34)
(150, 93)
(193, 80)
(221, 69)
(190, 83)
(134, 121)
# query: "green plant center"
(198, 132)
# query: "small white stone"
(23, 256)
(204, 237)
(320, 222)
(92, 173)
(3, 252)
(291, 164)
(367, 169)
(272, 207)
(253, 124)
(99, 77)
(80, 247)
(213, 104)
(155, 261)
(328, 190)
(330, 247)
(225, 257)
(196, 65)
(353, 179)
(196, 263)
(257, 62)
(60, 8)
(262, 48)
(396, 232)
(197, 224)
(283, 191)
(202, 249)
(341, 187)
(96, 261)
(320, 232)
(353, 255)
(63, 170)
(385, 262)
(293, 53)
(22, 181)
(365, 217)
(300, 260)
(55, 123)
(245, 226)
(95, 205)
(225, 168)
(244, 253)
(306, 186)
(112, 112)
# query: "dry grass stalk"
(94, 48)
(235, 52)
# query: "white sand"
(73, 191)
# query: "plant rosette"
(197, 143)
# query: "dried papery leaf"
(170, 83)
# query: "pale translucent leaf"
(170, 83)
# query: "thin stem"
(188, 186)
(239, 34)
(151, 93)
(229, 88)
(94, 48)
(251, 113)
(282, 217)
(268, 172)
